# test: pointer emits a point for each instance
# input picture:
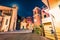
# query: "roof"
(5, 8)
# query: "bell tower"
(36, 16)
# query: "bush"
(37, 30)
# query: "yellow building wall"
(23, 25)
(55, 11)
(57, 27)
(47, 30)
(5, 26)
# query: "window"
(44, 16)
(0, 12)
(6, 21)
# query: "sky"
(25, 7)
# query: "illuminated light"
(56, 13)
(35, 20)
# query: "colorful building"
(27, 24)
(8, 18)
(52, 23)
(29, 19)
(47, 24)
(23, 24)
(36, 16)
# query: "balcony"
(46, 20)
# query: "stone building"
(8, 18)
(36, 16)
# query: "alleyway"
(21, 36)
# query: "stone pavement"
(21, 36)
(17, 31)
